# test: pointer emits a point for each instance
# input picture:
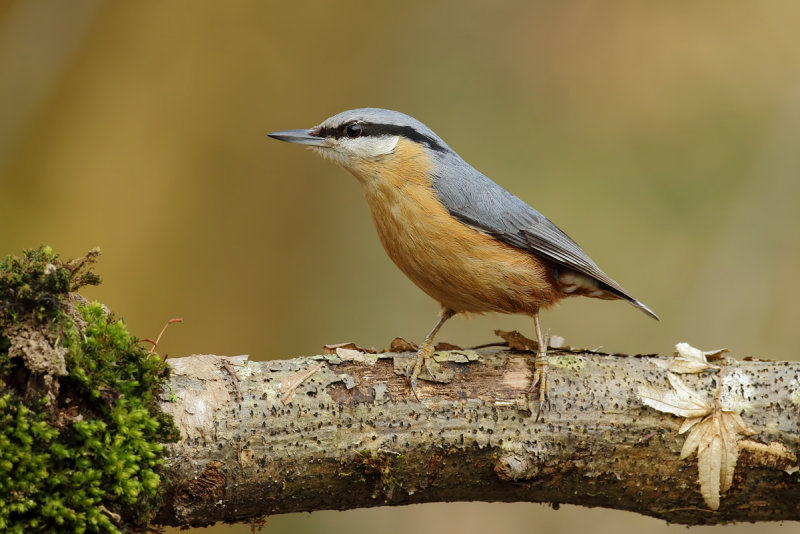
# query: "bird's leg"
(540, 368)
(425, 351)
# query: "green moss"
(5, 362)
(83, 456)
(34, 285)
(380, 466)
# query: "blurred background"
(661, 136)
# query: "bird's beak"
(301, 137)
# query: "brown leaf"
(331, 349)
(446, 346)
(516, 341)
(401, 345)
(714, 355)
(351, 355)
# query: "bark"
(352, 434)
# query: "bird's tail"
(644, 308)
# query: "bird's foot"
(424, 356)
(540, 369)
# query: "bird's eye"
(353, 130)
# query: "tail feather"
(644, 308)
(578, 283)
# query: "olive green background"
(661, 136)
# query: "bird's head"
(359, 138)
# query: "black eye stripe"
(377, 130)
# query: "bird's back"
(480, 203)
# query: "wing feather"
(480, 203)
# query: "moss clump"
(381, 466)
(78, 452)
(34, 285)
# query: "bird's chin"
(329, 154)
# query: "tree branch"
(344, 431)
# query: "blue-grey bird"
(463, 239)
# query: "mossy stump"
(80, 430)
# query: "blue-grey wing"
(480, 203)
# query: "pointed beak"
(300, 137)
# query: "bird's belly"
(463, 269)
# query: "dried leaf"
(682, 401)
(712, 432)
(729, 453)
(680, 365)
(446, 346)
(716, 440)
(689, 360)
(700, 433)
(688, 352)
(331, 348)
(401, 345)
(516, 341)
(738, 424)
(708, 470)
(689, 423)
(351, 355)
(685, 391)
(685, 351)
(715, 354)
(670, 402)
(732, 428)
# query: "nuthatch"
(463, 239)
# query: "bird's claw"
(412, 373)
(428, 366)
(539, 384)
(413, 383)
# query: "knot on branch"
(207, 488)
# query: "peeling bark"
(323, 432)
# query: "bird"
(460, 237)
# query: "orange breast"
(461, 268)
